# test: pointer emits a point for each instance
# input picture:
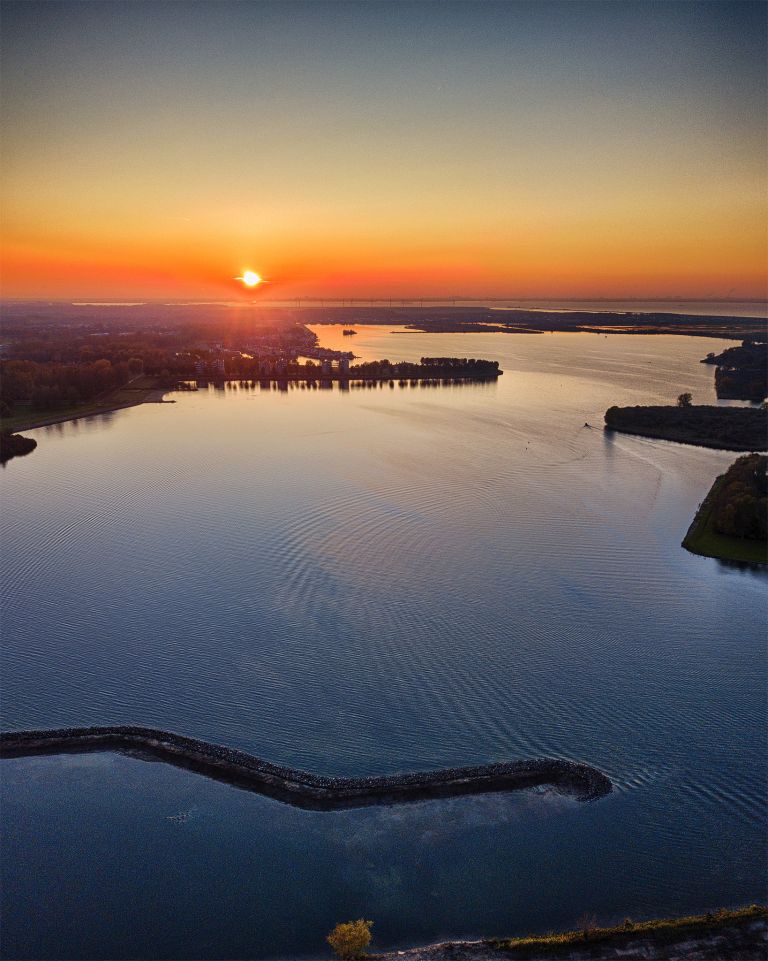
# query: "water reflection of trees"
(343, 385)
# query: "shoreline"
(737, 933)
(710, 445)
(301, 788)
(151, 395)
(155, 394)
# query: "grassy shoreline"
(732, 933)
(119, 399)
(659, 931)
(702, 538)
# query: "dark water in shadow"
(368, 582)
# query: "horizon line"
(86, 301)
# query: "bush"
(351, 938)
(684, 400)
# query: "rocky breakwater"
(303, 789)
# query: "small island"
(14, 445)
(722, 428)
(732, 522)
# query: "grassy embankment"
(661, 931)
(703, 539)
(138, 391)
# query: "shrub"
(350, 938)
(684, 400)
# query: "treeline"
(741, 384)
(740, 506)
(434, 366)
(173, 351)
(57, 345)
(47, 386)
(235, 367)
(461, 364)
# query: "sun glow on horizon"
(250, 278)
(588, 164)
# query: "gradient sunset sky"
(605, 149)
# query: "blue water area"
(376, 580)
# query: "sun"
(250, 278)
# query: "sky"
(551, 150)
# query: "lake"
(369, 581)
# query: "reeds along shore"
(302, 788)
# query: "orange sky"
(137, 168)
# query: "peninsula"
(57, 368)
(723, 428)
(305, 790)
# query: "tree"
(351, 938)
(684, 400)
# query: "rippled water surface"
(378, 580)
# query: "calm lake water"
(370, 581)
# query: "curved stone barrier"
(301, 788)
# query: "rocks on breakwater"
(302, 788)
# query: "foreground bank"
(130, 395)
(731, 522)
(741, 934)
